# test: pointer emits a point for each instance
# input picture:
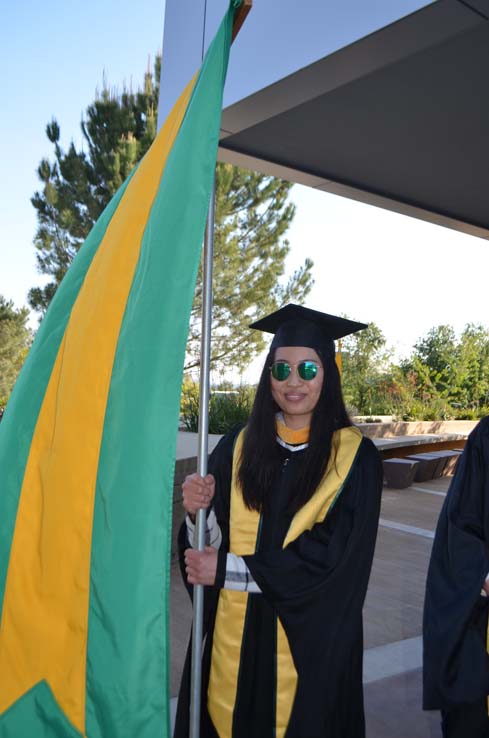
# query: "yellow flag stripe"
(48, 578)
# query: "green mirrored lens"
(307, 370)
(280, 370)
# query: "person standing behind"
(455, 621)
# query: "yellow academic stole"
(231, 610)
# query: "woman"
(293, 505)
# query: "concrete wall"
(417, 427)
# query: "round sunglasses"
(306, 370)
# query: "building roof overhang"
(399, 119)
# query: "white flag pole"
(200, 526)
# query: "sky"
(53, 56)
(373, 265)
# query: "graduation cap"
(295, 325)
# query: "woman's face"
(297, 397)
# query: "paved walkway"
(392, 615)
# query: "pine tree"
(117, 131)
(252, 217)
(15, 339)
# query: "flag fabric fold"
(87, 450)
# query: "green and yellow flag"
(87, 450)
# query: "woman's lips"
(294, 397)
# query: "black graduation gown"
(456, 663)
(316, 586)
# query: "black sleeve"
(220, 465)
(456, 664)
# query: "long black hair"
(261, 453)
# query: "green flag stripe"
(127, 660)
(36, 715)
(20, 418)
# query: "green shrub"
(227, 409)
(467, 413)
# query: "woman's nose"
(294, 378)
